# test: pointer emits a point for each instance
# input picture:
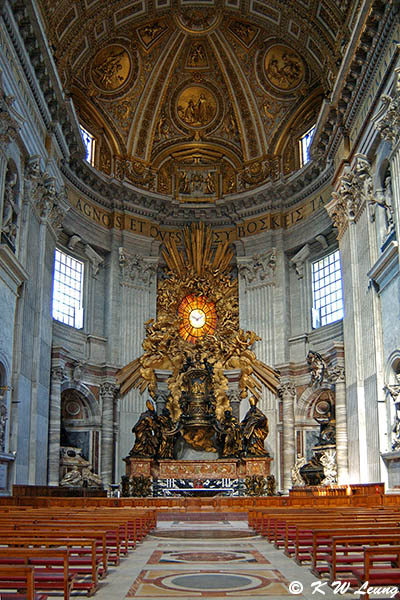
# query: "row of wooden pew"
(65, 549)
(358, 547)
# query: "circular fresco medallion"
(283, 67)
(111, 68)
(196, 106)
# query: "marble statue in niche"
(10, 208)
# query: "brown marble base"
(198, 469)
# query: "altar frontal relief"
(197, 339)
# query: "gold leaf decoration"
(199, 271)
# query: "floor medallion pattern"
(208, 583)
(206, 556)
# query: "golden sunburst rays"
(267, 375)
(130, 377)
(198, 253)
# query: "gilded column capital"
(259, 269)
(353, 192)
(337, 374)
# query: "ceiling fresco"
(198, 101)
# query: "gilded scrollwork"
(202, 272)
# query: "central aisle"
(201, 555)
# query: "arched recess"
(307, 428)
(80, 421)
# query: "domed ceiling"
(197, 100)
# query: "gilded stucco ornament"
(246, 33)
(283, 67)
(203, 272)
(111, 68)
(127, 70)
(196, 106)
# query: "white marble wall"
(137, 279)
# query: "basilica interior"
(199, 261)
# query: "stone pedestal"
(392, 461)
(198, 469)
(5, 464)
(138, 466)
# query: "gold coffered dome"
(197, 102)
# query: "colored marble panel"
(209, 583)
(207, 556)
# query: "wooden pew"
(25, 580)
(83, 559)
(38, 534)
(322, 541)
(387, 576)
(45, 578)
(347, 551)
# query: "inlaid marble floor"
(216, 559)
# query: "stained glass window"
(198, 317)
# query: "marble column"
(287, 391)
(107, 395)
(337, 376)
(57, 376)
